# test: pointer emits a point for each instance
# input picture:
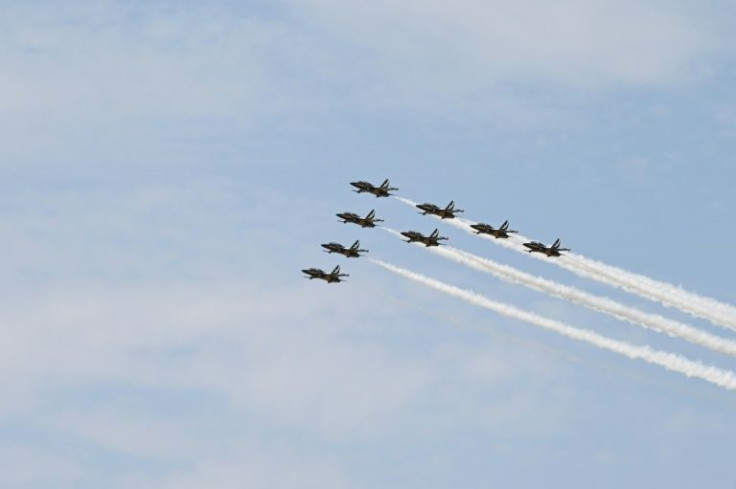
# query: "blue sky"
(169, 167)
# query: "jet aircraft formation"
(717, 313)
(354, 251)
(433, 239)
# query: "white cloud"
(109, 367)
(107, 59)
(30, 467)
(254, 466)
(472, 47)
(109, 62)
(277, 361)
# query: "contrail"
(670, 361)
(716, 312)
(694, 304)
(572, 294)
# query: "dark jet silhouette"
(446, 213)
(332, 277)
(353, 252)
(364, 222)
(380, 191)
(501, 232)
(554, 250)
(416, 237)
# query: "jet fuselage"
(364, 222)
(446, 213)
(536, 247)
(417, 237)
(352, 252)
(501, 232)
(330, 278)
(380, 191)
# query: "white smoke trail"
(716, 312)
(405, 201)
(601, 304)
(670, 361)
(694, 304)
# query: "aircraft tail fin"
(556, 244)
(336, 270)
(435, 233)
(385, 184)
(450, 206)
(505, 225)
(371, 214)
(356, 245)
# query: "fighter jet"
(353, 252)
(431, 240)
(446, 213)
(381, 191)
(364, 222)
(553, 250)
(501, 232)
(333, 276)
